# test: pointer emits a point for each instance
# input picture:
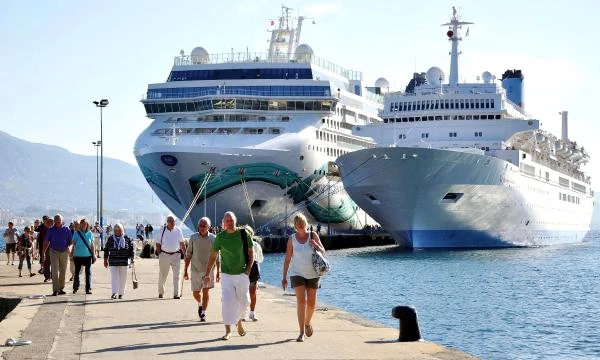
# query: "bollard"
(409, 324)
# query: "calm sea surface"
(538, 303)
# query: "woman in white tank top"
(303, 277)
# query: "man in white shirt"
(96, 232)
(170, 245)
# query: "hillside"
(49, 177)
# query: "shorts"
(308, 283)
(196, 279)
(11, 248)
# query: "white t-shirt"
(170, 239)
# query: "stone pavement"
(142, 326)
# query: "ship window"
(373, 199)
(285, 118)
(452, 197)
(487, 103)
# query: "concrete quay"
(79, 326)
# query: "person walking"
(234, 272)
(118, 255)
(44, 251)
(303, 277)
(97, 231)
(83, 255)
(11, 237)
(58, 240)
(40, 235)
(25, 249)
(198, 254)
(254, 275)
(169, 247)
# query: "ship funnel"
(512, 82)
(565, 126)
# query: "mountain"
(39, 176)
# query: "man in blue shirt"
(58, 240)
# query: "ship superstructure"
(462, 165)
(256, 133)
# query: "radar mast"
(453, 35)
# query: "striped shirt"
(118, 255)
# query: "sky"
(59, 56)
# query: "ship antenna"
(453, 36)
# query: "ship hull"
(262, 187)
(431, 198)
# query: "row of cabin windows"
(442, 104)
(338, 138)
(327, 150)
(239, 74)
(223, 131)
(229, 118)
(240, 104)
(442, 117)
(272, 91)
(450, 134)
(569, 198)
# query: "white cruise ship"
(462, 165)
(256, 133)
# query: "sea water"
(532, 303)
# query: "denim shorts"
(308, 283)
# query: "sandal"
(300, 338)
(226, 336)
(308, 330)
(240, 329)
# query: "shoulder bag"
(319, 261)
(254, 271)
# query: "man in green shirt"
(235, 297)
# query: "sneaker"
(200, 312)
(113, 296)
(176, 297)
(61, 292)
(252, 316)
(203, 317)
(160, 296)
(120, 296)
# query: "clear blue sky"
(58, 56)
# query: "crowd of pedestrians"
(225, 254)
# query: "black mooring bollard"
(409, 324)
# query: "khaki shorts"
(308, 283)
(198, 283)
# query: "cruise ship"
(462, 165)
(256, 133)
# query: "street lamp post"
(101, 104)
(97, 145)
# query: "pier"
(79, 326)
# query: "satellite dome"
(487, 77)
(303, 53)
(435, 76)
(382, 84)
(199, 55)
